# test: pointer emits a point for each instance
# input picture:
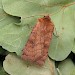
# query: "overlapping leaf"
(13, 38)
(27, 7)
(29, 11)
(66, 68)
(21, 68)
(1, 4)
(9, 32)
(32, 7)
(62, 43)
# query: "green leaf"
(28, 8)
(66, 67)
(73, 72)
(1, 4)
(52, 2)
(73, 50)
(13, 37)
(62, 44)
(7, 30)
(32, 7)
(15, 66)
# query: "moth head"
(45, 19)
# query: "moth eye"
(44, 16)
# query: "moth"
(36, 48)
